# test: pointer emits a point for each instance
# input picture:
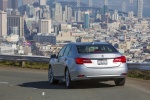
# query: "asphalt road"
(27, 84)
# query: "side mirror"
(53, 56)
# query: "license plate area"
(102, 62)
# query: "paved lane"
(26, 84)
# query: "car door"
(57, 66)
(63, 60)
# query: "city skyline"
(131, 5)
(54, 23)
(64, 13)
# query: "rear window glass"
(103, 48)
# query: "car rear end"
(98, 61)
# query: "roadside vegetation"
(139, 74)
(32, 65)
(44, 66)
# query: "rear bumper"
(100, 78)
(99, 74)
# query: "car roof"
(90, 43)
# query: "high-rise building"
(78, 16)
(69, 15)
(42, 2)
(44, 12)
(58, 12)
(13, 4)
(51, 3)
(105, 7)
(44, 26)
(66, 13)
(131, 14)
(3, 23)
(15, 25)
(30, 10)
(20, 3)
(115, 16)
(86, 20)
(53, 13)
(64, 16)
(9, 11)
(3, 5)
(140, 8)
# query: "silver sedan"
(87, 61)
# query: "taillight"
(120, 59)
(82, 60)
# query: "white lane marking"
(43, 93)
(3, 82)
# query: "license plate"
(102, 62)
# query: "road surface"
(30, 84)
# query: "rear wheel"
(51, 77)
(68, 81)
(120, 82)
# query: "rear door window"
(67, 50)
(61, 53)
(102, 48)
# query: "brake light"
(120, 59)
(82, 60)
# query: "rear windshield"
(102, 48)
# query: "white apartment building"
(3, 23)
(45, 26)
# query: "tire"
(68, 81)
(120, 82)
(51, 77)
